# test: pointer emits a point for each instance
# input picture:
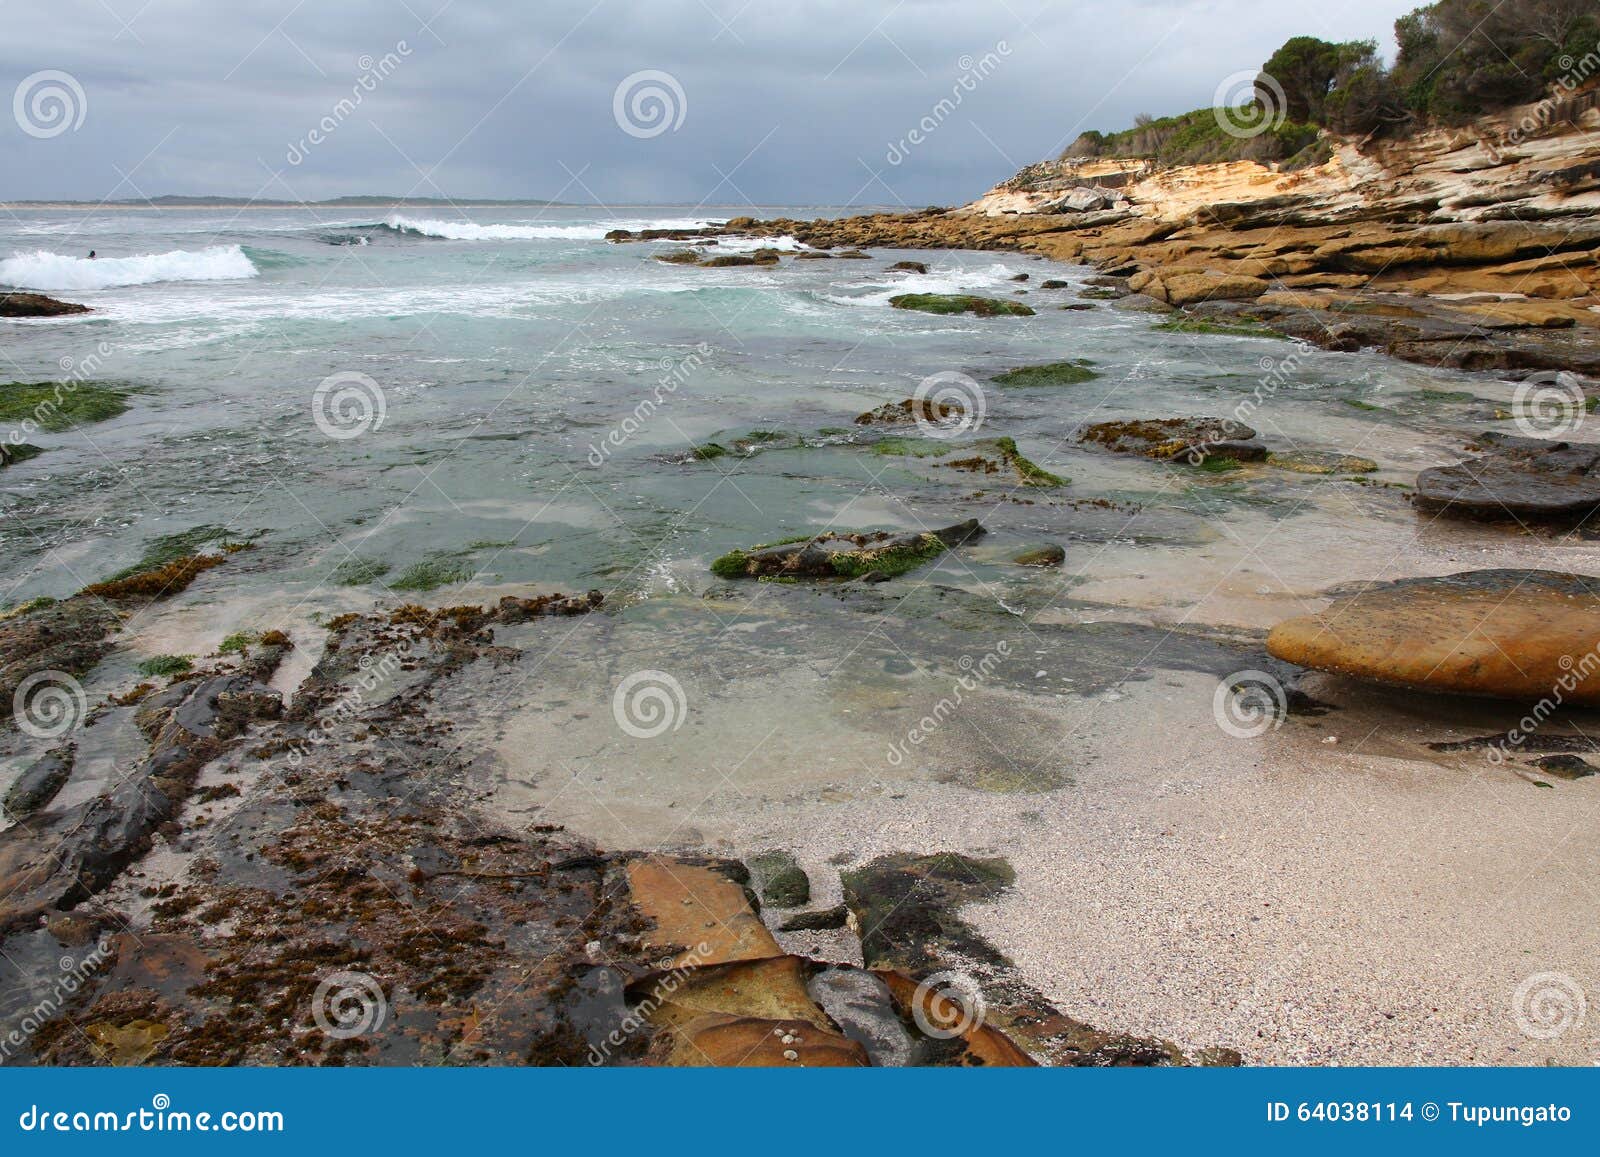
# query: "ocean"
(452, 407)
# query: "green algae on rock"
(833, 555)
(13, 452)
(58, 406)
(1028, 472)
(954, 303)
(1068, 373)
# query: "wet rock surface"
(1515, 634)
(845, 555)
(1190, 440)
(1530, 479)
(37, 305)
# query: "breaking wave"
(43, 270)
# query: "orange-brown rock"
(1524, 635)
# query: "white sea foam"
(48, 271)
(935, 281)
(468, 231)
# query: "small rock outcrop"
(1517, 478)
(1192, 440)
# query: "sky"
(614, 102)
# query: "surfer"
(91, 255)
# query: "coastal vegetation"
(1455, 60)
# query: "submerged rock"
(37, 305)
(1522, 478)
(1169, 439)
(908, 267)
(1320, 462)
(1042, 556)
(38, 785)
(912, 410)
(1527, 635)
(845, 555)
(1566, 766)
(954, 303)
(13, 452)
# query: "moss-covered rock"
(781, 881)
(1051, 555)
(1069, 373)
(1193, 440)
(57, 406)
(956, 303)
(832, 555)
(1029, 473)
(13, 452)
(1321, 462)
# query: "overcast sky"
(800, 102)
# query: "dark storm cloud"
(810, 101)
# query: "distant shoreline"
(158, 206)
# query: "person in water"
(91, 255)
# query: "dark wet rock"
(1517, 478)
(908, 267)
(813, 255)
(953, 303)
(1042, 556)
(624, 235)
(912, 410)
(62, 857)
(69, 636)
(1518, 740)
(517, 610)
(853, 255)
(781, 881)
(1055, 283)
(1191, 440)
(907, 906)
(681, 257)
(13, 452)
(1020, 277)
(845, 555)
(729, 260)
(1566, 766)
(40, 781)
(1525, 635)
(1077, 307)
(37, 305)
(820, 920)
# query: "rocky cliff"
(1475, 246)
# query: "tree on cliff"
(1307, 70)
